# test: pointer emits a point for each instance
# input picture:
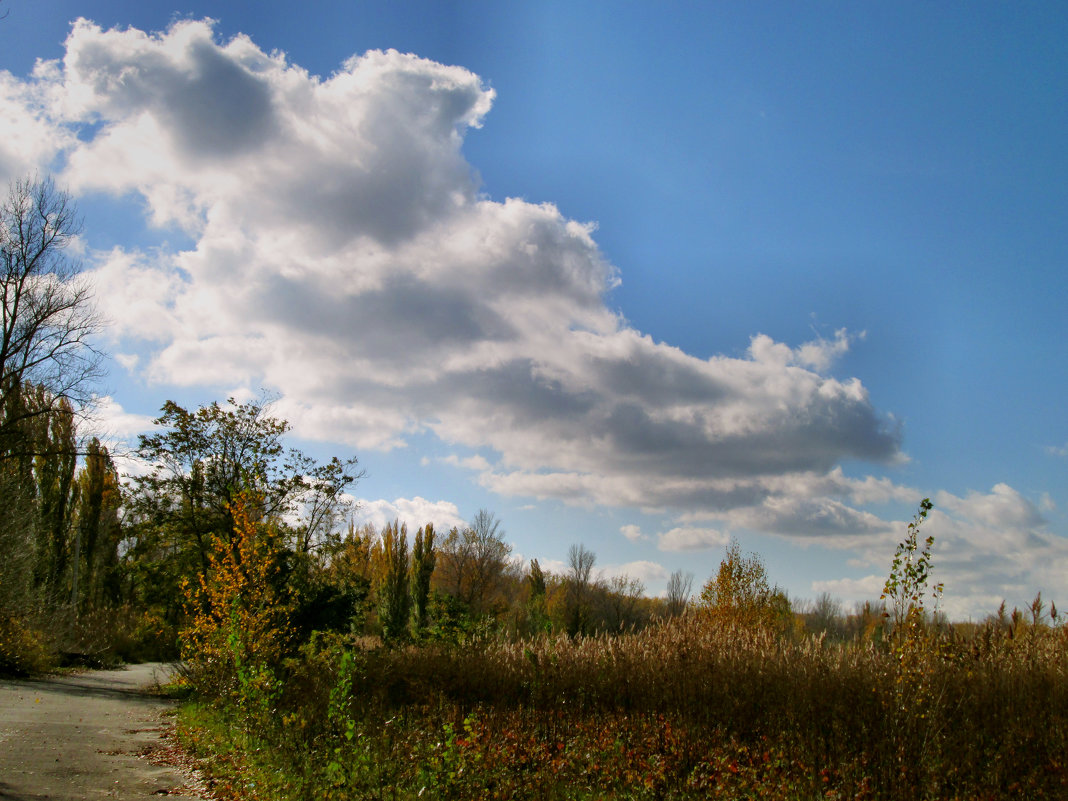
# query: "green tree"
(393, 597)
(906, 587)
(202, 460)
(198, 463)
(423, 559)
(337, 594)
(537, 599)
(918, 687)
(97, 531)
(54, 461)
(18, 530)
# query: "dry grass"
(690, 709)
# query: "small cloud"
(862, 589)
(820, 354)
(642, 569)
(1003, 506)
(554, 566)
(1061, 451)
(631, 532)
(127, 360)
(686, 538)
(107, 420)
(817, 355)
(117, 429)
(477, 462)
(415, 512)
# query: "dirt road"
(87, 736)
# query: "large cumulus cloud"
(345, 258)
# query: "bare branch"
(47, 317)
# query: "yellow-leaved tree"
(239, 612)
(739, 594)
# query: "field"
(697, 707)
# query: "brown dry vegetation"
(692, 708)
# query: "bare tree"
(580, 565)
(678, 592)
(474, 563)
(47, 316)
(621, 596)
(825, 614)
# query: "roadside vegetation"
(325, 660)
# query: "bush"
(23, 648)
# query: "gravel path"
(90, 735)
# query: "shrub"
(23, 648)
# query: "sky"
(644, 277)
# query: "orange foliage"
(239, 612)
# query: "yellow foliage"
(739, 594)
(239, 615)
(350, 559)
(22, 648)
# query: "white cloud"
(117, 429)
(1003, 507)
(415, 512)
(631, 532)
(476, 462)
(817, 355)
(810, 517)
(820, 354)
(554, 566)
(868, 588)
(129, 361)
(134, 290)
(642, 570)
(688, 538)
(109, 422)
(32, 138)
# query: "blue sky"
(802, 266)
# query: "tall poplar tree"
(97, 531)
(423, 558)
(54, 461)
(393, 598)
